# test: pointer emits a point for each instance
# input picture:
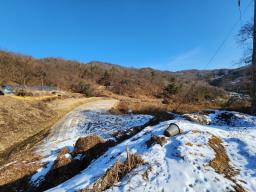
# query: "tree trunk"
(253, 107)
(42, 83)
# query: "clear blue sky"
(163, 34)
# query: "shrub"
(22, 92)
(203, 92)
(105, 80)
(83, 88)
(171, 89)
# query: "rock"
(172, 130)
(198, 118)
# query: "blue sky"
(163, 34)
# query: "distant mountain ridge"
(19, 69)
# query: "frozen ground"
(91, 118)
(182, 164)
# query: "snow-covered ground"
(91, 118)
(182, 164)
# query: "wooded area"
(90, 77)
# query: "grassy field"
(27, 118)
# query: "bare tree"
(248, 34)
(41, 74)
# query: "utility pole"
(253, 105)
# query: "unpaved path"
(24, 121)
(23, 163)
(66, 129)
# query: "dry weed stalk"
(115, 173)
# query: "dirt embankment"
(24, 121)
(27, 121)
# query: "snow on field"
(92, 119)
(182, 164)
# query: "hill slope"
(215, 157)
(65, 74)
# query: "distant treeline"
(88, 77)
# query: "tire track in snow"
(66, 130)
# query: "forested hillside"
(87, 78)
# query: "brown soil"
(220, 163)
(156, 140)
(115, 173)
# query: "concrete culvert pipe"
(172, 130)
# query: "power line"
(218, 48)
(228, 34)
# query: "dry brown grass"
(89, 148)
(21, 120)
(189, 144)
(221, 162)
(156, 107)
(195, 131)
(61, 159)
(18, 170)
(24, 122)
(115, 173)
(156, 140)
(83, 144)
(145, 175)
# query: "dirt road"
(21, 163)
(26, 121)
(67, 128)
